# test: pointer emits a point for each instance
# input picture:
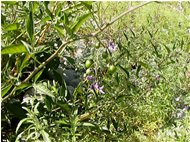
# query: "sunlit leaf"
(14, 49)
(60, 30)
(35, 78)
(45, 136)
(24, 85)
(5, 90)
(42, 89)
(11, 27)
(88, 4)
(87, 124)
(20, 123)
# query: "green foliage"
(62, 82)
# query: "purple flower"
(98, 88)
(90, 78)
(112, 47)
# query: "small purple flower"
(89, 78)
(98, 88)
(185, 108)
(112, 47)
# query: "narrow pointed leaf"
(20, 123)
(79, 22)
(38, 75)
(30, 26)
(60, 30)
(5, 90)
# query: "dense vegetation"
(95, 71)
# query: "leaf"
(48, 103)
(132, 32)
(79, 22)
(12, 27)
(88, 4)
(28, 46)
(46, 3)
(167, 48)
(9, 2)
(138, 70)
(38, 75)
(64, 107)
(25, 62)
(20, 123)
(60, 30)
(30, 26)
(5, 90)
(155, 48)
(149, 33)
(126, 36)
(25, 85)
(144, 65)
(44, 20)
(42, 89)
(124, 70)
(14, 49)
(87, 124)
(45, 136)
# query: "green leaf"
(12, 27)
(42, 89)
(25, 62)
(44, 20)
(150, 34)
(79, 22)
(167, 48)
(126, 36)
(25, 85)
(87, 124)
(14, 49)
(28, 46)
(30, 26)
(9, 2)
(124, 70)
(46, 3)
(48, 103)
(138, 70)
(20, 123)
(45, 136)
(38, 75)
(88, 4)
(60, 30)
(5, 90)
(133, 33)
(144, 65)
